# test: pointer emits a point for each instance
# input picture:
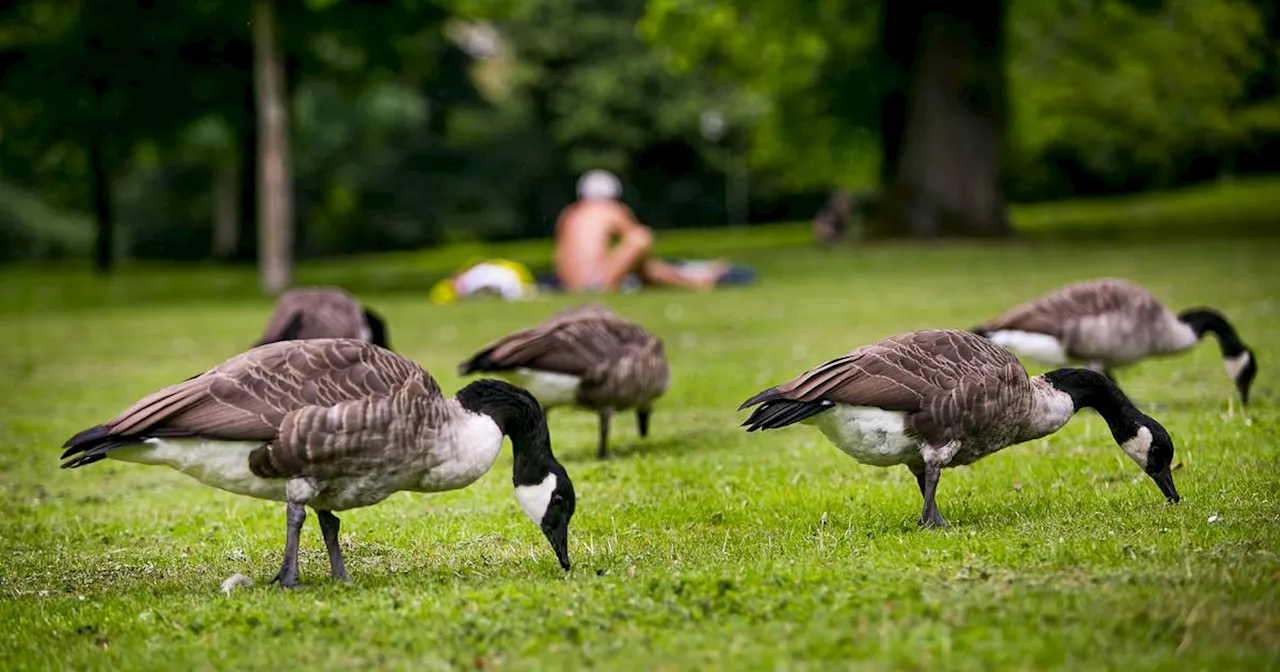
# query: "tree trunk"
(275, 206)
(226, 213)
(943, 123)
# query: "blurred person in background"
(585, 260)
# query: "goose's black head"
(377, 329)
(550, 504)
(1137, 434)
(542, 486)
(1240, 361)
(1152, 448)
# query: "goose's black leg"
(927, 478)
(603, 450)
(288, 574)
(329, 525)
(642, 422)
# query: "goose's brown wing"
(578, 341)
(943, 379)
(1056, 312)
(248, 397)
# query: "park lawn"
(702, 547)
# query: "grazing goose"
(323, 312)
(1110, 323)
(585, 356)
(336, 424)
(938, 399)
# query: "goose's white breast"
(550, 389)
(221, 464)
(869, 435)
(1176, 335)
(463, 451)
(1040, 347)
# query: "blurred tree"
(598, 96)
(1091, 104)
(417, 122)
(809, 67)
(1099, 110)
(275, 190)
(927, 75)
(85, 90)
(943, 119)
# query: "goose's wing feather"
(314, 313)
(249, 396)
(327, 441)
(1055, 313)
(943, 379)
(899, 373)
(577, 341)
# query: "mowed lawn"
(702, 547)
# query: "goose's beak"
(559, 538)
(1164, 479)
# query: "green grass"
(1244, 207)
(702, 547)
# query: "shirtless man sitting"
(585, 229)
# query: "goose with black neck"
(336, 424)
(1110, 323)
(937, 399)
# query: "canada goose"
(336, 424)
(585, 356)
(323, 312)
(1110, 323)
(943, 398)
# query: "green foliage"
(401, 138)
(58, 236)
(592, 94)
(1106, 95)
(810, 65)
(703, 547)
(1121, 95)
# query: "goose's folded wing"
(325, 441)
(248, 396)
(1046, 315)
(574, 344)
(900, 373)
(1053, 313)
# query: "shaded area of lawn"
(702, 547)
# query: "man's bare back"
(599, 242)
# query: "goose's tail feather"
(775, 411)
(94, 443)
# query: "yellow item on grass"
(511, 280)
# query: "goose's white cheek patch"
(535, 499)
(1138, 446)
(1235, 365)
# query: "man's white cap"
(599, 184)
